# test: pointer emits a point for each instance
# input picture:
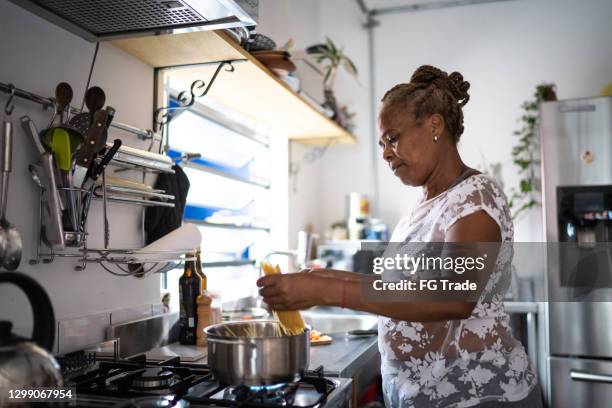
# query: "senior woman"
(434, 353)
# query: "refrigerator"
(576, 165)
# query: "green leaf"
(332, 47)
(526, 186)
(516, 150)
(349, 66)
(523, 164)
(329, 55)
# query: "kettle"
(25, 362)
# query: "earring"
(435, 139)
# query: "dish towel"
(160, 221)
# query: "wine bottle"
(189, 290)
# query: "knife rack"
(120, 262)
(117, 261)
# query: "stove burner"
(153, 402)
(138, 383)
(280, 394)
(258, 388)
(154, 378)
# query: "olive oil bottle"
(189, 290)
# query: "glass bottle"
(189, 290)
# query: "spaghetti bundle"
(291, 321)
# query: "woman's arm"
(345, 289)
(337, 274)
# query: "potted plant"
(333, 58)
(526, 152)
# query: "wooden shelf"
(251, 90)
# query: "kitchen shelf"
(225, 174)
(251, 90)
(225, 264)
(227, 226)
(135, 201)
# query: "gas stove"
(136, 382)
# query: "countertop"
(345, 355)
(342, 358)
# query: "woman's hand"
(295, 291)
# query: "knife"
(53, 231)
(90, 182)
(86, 155)
(97, 169)
(110, 115)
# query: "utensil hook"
(8, 108)
(55, 107)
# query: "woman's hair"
(430, 91)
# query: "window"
(237, 196)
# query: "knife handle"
(89, 149)
(106, 159)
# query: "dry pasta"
(291, 322)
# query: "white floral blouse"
(457, 363)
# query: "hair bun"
(427, 74)
(453, 83)
(460, 88)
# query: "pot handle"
(43, 333)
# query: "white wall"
(299, 21)
(36, 55)
(504, 49)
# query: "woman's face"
(408, 148)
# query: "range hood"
(97, 20)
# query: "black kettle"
(27, 362)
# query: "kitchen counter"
(346, 355)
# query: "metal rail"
(428, 6)
(144, 134)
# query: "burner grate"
(311, 391)
(136, 382)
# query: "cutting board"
(186, 353)
(322, 341)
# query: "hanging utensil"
(63, 96)
(61, 148)
(98, 169)
(86, 155)
(10, 236)
(53, 231)
(90, 182)
(104, 212)
(94, 100)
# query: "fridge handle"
(582, 376)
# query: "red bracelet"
(343, 303)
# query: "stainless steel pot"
(252, 353)
(249, 313)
